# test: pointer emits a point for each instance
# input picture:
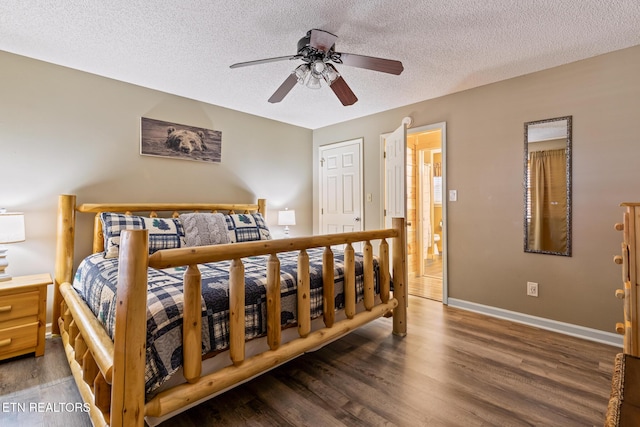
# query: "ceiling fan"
(317, 50)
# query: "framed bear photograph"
(164, 139)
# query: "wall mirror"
(547, 186)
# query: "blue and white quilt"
(96, 281)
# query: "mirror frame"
(568, 178)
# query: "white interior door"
(395, 154)
(395, 176)
(341, 204)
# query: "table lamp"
(11, 231)
(286, 218)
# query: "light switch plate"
(453, 195)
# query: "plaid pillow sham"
(164, 233)
(247, 227)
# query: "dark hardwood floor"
(454, 368)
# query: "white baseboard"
(596, 335)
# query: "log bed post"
(400, 279)
(304, 295)
(328, 288)
(274, 326)
(65, 234)
(384, 271)
(262, 207)
(130, 335)
(368, 275)
(236, 312)
(349, 281)
(192, 324)
(98, 235)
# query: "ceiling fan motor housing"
(304, 42)
(309, 53)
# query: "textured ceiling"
(185, 47)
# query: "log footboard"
(110, 374)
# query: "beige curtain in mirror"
(548, 226)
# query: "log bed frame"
(110, 374)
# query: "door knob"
(357, 219)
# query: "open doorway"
(425, 205)
(413, 166)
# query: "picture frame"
(178, 141)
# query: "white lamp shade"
(287, 217)
(11, 227)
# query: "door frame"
(321, 148)
(442, 126)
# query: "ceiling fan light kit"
(317, 50)
(311, 74)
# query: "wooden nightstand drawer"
(18, 305)
(18, 338)
(23, 309)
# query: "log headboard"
(65, 239)
(154, 210)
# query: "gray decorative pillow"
(202, 229)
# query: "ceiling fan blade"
(322, 40)
(263, 61)
(369, 62)
(343, 92)
(284, 88)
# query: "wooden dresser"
(630, 262)
(23, 310)
(624, 402)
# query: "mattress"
(96, 282)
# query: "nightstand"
(23, 310)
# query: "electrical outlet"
(532, 289)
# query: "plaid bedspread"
(96, 281)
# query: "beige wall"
(66, 131)
(487, 264)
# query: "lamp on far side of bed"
(11, 231)
(286, 217)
